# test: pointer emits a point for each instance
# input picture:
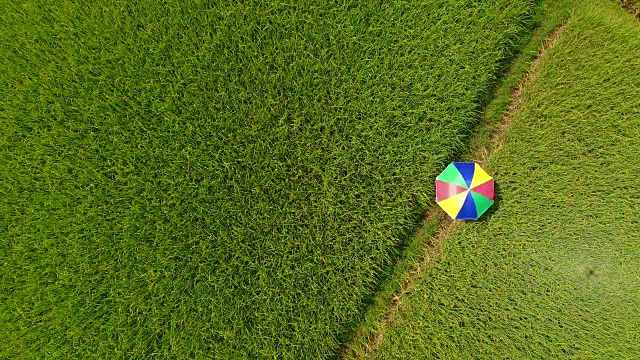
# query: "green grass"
(547, 16)
(552, 272)
(183, 180)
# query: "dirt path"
(448, 226)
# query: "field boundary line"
(631, 6)
(447, 226)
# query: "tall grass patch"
(228, 179)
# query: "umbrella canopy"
(464, 190)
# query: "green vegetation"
(547, 16)
(183, 180)
(552, 272)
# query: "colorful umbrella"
(464, 190)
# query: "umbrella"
(464, 190)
